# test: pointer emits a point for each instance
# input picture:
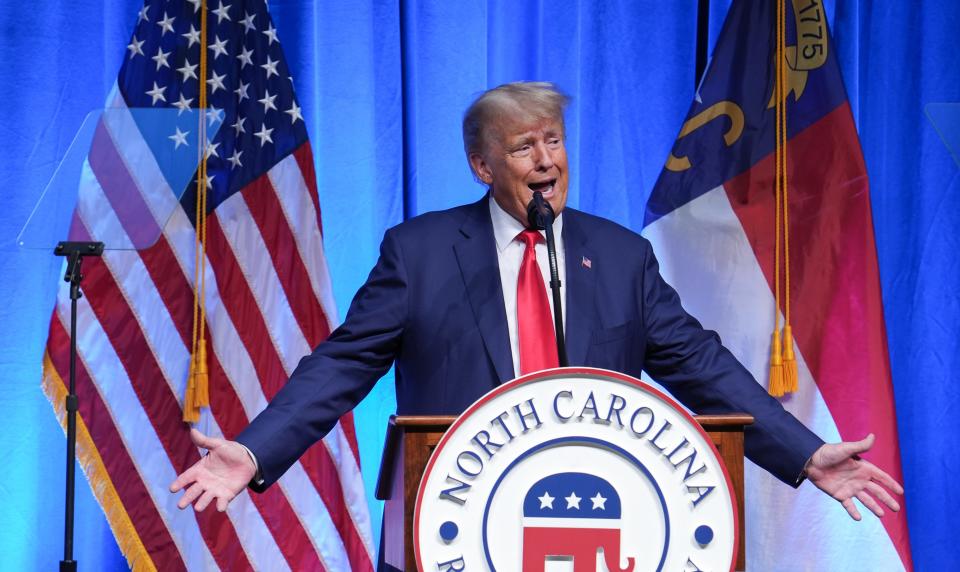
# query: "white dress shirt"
(510, 255)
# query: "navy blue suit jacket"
(434, 305)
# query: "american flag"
(268, 301)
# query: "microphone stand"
(74, 251)
(540, 215)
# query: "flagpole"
(703, 32)
(74, 251)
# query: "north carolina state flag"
(711, 219)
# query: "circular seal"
(575, 469)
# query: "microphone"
(540, 214)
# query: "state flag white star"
(161, 58)
(166, 25)
(193, 36)
(267, 101)
(270, 67)
(222, 12)
(179, 138)
(188, 71)
(294, 113)
(219, 47)
(235, 159)
(238, 125)
(183, 104)
(157, 93)
(241, 91)
(244, 57)
(264, 135)
(135, 47)
(271, 34)
(216, 82)
(248, 22)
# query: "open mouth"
(542, 186)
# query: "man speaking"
(457, 300)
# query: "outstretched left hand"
(838, 470)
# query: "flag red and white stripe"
(268, 302)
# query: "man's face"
(523, 157)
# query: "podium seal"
(575, 469)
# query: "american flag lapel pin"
(586, 263)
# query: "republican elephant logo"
(572, 515)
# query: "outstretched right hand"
(221, 474)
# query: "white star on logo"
(244, 57)
(179, 138)
(546, 501)
(142, 16)
(271, 34)
(573, 501)
(599, 502)
(188, 70)
(248, 22)
(238, 125)
(235, 159)
(193, 36)
(135, 47)
(156, 93)
(271, 67)
(183, 104)
(216, 82)
(221, 12)
(242, 91)
(219, 47)
(161, 59)
(294, 113)
(264, 135)
(267, 101)
(166, 25)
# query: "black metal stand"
(74, 251)
(540, 215)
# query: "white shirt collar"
(506, 228)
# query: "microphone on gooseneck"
(540, 216)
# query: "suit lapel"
(581, 285)
(477, 256)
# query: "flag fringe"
(91, 463)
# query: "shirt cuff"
(257, 476)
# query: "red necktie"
(538, 346)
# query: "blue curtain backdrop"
(383, 85)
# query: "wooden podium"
(410, 442)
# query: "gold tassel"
(789, 362)
(201, 395)
(191, 413)
(197, 393)
(776, 366)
